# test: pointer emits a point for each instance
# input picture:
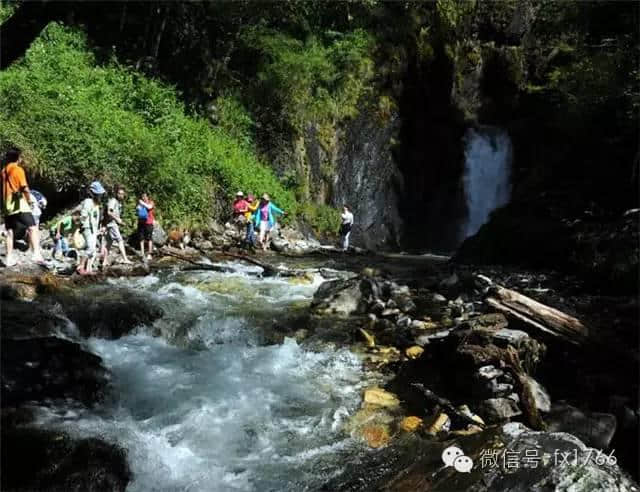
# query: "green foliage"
(79, 121)
(234, 119)
(6, 10)
(324, 220)
(313, 80)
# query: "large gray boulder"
(594, 428)
(507, 458)
(159, 236)
(338, 297)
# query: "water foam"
(232, 416)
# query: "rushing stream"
(209, 406)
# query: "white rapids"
(218, 411)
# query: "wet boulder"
(39, 369)
(594, 428)
(498, 409)
(339, 297)
(492, 321)
(22, 319)
(38, 459)
(510, 457)
(292, 241)
(108, 312)
(159, 235)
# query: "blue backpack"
(142, 212)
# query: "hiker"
(112, 232)
(64, 228)
(252, 206)
(38, 204)
(265, 220)
(345, 227)
(90, 225)
(240, 207)
(145, 211)
(17, 202)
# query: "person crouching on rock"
(145, 211)
(113, 221)
(345, 227)
(17, 201)
(64, 228)
(90, 227)
(265, 220)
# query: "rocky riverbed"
(410, 357)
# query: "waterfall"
(486, 175)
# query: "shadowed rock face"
(108, 312)
(36, 459)
(369, 181)
(42, 360)
(37, 369)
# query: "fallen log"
(269, 270)
(537, 316)
(197, 265)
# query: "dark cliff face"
(431, 158)
(369, 181)
(358, 169)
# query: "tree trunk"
(536, 315)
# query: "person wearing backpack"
(90, 211)
(145, 212)
(37, 205)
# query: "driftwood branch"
(199, 265)
(269, 270)
(523, 387)
(537, 316)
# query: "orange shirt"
(14, 181)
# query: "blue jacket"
(272, 210)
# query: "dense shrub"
(317, 80)
(78, 121)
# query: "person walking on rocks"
(17, 202)
(90, 227)
(345, 227)
(240, 207)
(252, 206)
(112, 233)
(145, 211)
(265, 219)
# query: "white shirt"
(347, 218)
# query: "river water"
(207, 405)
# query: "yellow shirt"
(252, 207)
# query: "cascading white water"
(486, 175)
(206, 407)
